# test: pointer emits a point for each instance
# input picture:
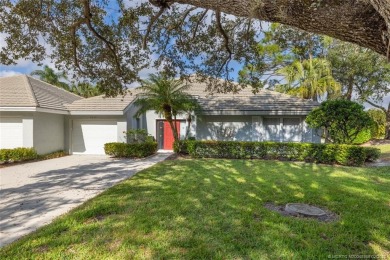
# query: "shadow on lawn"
(214, 209)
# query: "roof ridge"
(63, 90)
(30, 90)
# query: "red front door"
(168, 135)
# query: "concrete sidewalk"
(33, 194)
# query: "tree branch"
(87, 21)
(199, 21)
(225, 38)
(152, 21)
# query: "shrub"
(52, 155)
(341, 119)
(378, 129)
(319, 153)
(17, 154)
(133, 150)
(363, 137)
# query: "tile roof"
(102, 103)
(26, 91)
(245, 99)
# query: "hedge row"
(134, 150)
(17, 154)
(319, 153)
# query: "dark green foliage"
(318, 153)
(342, 120)
(17, 154)
(133, 150)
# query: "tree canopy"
(110, 42)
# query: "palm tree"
(50, 76)
(86, 90)
(168, 97)
(309, 79)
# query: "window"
(292, 130)
(272, 129)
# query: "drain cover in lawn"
(301, 210)
(304, 209)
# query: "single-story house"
(36, 114)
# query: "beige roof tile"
(26, 91)
(102, 103)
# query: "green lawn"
(213, 209)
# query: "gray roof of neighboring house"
(26, 91)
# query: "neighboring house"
(37, 114)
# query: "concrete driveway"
(33, 194)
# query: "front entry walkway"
(33, 194)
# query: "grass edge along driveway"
(213, 209)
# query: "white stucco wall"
(234, 128)
(252, 128)
(49, 132)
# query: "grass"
(213, 209)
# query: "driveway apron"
(33, 194)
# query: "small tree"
(342, 120)
(168, 97)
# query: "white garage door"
(11, 132)
(89, 136)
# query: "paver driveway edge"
(33, 194)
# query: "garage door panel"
(11, 133)
(89, 137)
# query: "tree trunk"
(364, 22)
(348, 95)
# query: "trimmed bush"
(363, 137)
(350, 155)
(52, 155)
(17, 154)
(133, 150)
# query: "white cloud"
(7, 73)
